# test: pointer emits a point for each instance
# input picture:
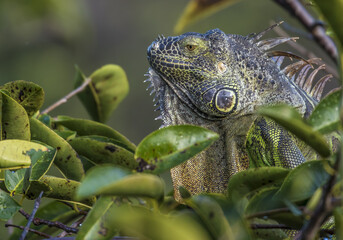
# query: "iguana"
(218, 81)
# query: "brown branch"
(30, 219)
(57, 224)
(312, 25)
(74, 225)
(30, 230)
(68, 96)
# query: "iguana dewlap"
(217, 81)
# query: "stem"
(68, 96)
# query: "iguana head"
(221, 75)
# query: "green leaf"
(57, 188)
(66, 158)
(40, 162)
(325, 117)
(291, 120)
(27, 94)
(264, 201)
(85, 127)
(197, 9)
(170, 146)
(8, 207)
(212, 215)
(17, 181)
(248, 182)
(145, 224)
(13, 153)
(66, 134)
(110, 180)
(303, 181)
(108, 88)
(101, 150)
(14, 119)
(92, 224)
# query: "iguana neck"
(210, 170)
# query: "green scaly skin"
(217, 81)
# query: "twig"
(68, 96)
(272, 212)
(30, 230)
(323, 209)
(74, 225)
(312, 25)
(35, 208)
(57, 224)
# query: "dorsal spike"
(257, 36)
(318, 88)
(332, 91)
(309, 81)
(293, 68)
(286, 54)
(267, 44)
(300, 80)
(278, 60)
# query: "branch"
(312, 25)
(68, 96)
(30, 230)
(30, 219)
(57, 224)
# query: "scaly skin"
(217, 81)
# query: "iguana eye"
(225, 100)
(191, 47)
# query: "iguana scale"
(218, 81)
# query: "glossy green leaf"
(108, 88)
(247, 182)
(87, 164)
(66, 158)
(92, 224)
(27, 94)
(338, 214)
(8, 207)
(85, 127)
(170, 146)
(212, 215)
(197, 9)
(101, 150)
(13, 153)
(14, 119)
(110, 180)
(303, 181)
(144, 224)
(325, 117)
(291, 120)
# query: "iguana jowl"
(217, 81)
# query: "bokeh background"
(42, 41)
